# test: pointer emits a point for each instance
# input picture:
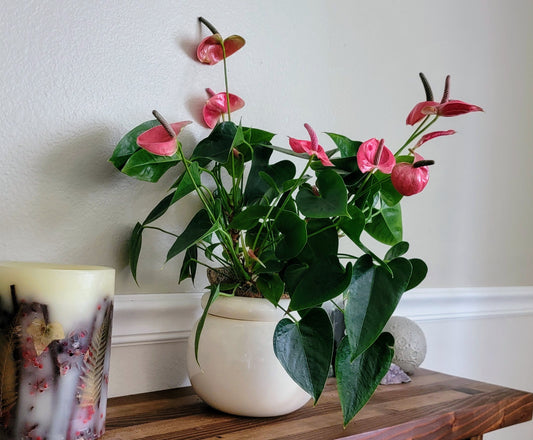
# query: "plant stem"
(161, 230)
(421, 128)
(226, 80)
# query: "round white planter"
(239, 372)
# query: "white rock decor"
(409, 343)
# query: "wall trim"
(162, 318)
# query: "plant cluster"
(274, 231)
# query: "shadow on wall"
(75, 195)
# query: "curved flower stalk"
(312, 148)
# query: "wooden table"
(433, 406)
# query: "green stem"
(287, 313)
(272, 206)
(337, 306)
(421, 128)
(161, 230)
(226, 80)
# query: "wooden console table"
(433, 406)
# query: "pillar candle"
(55, 333)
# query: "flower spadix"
(310, 147)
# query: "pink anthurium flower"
(411, 178)
(210, 51)
(373, 154)
(447, 107)
(310, 147)
(432, 135)
(217, 105)
(158, 141)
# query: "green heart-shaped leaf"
(213, 295)
(128, 144)
(271, 286)
(346, 146)
(323, 280)
(386, 224)
(397, 250)
(187, 183)
(371, 298)
(149, 167)
(357, 380)
(305, 349)
(135, 248)
(198, 227)
(217, 145)
(294, 235)
(420, 271)
(331, 200)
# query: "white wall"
(76, 76)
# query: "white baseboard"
(163, 318)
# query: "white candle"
(55, 332)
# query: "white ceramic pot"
(239, 372)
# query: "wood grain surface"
(434, 406)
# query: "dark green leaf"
(305, 349)
(371, 298)
(420, 271)
(357, 380)
(160, 209)
(199, 227)
(249, 218)
(397, 250)
(354, 225)
(187, 183)
(255, 136)
(188, 268)
(215, 291)
(323, 280)
(135, 248)
(331, 200)
(128, 144)
(388, 192)
(346, 146)
(147, 166)
(294, 235)
(386, 225)
(217, 146)
(271, 287)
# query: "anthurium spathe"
(432, 135)
(217, 105)
(310, 147)
(411, 178)
(374, 155)
(445, 108)
(212, 48)
(159, 141)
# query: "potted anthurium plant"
(268, 228)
